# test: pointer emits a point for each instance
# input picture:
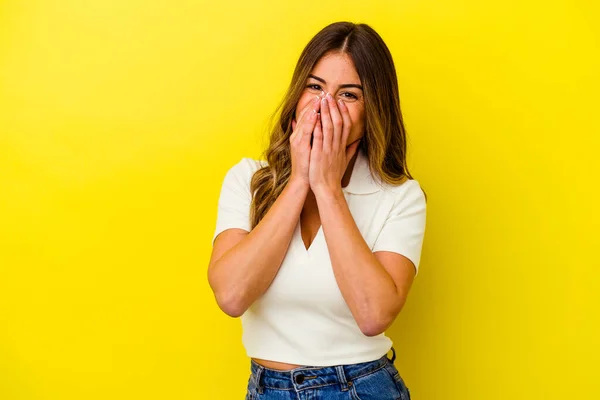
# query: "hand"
(300, 141)
(329, 156)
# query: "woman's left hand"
(329, 156)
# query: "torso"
(276, 365)
(310, 222)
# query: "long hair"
(384, 140)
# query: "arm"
(242, 264)
(374, 285)
(245, 261)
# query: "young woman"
(316, 248)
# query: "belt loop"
(393, 355)
(342, 377)
(259, 374)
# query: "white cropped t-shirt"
(302, 317)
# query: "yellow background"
(118, 121)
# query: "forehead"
(336, 67)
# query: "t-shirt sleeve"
(233, 209)
(404, 229)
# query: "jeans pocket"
(403, 391)
(401, 386)
(250, 389)
(375, 385)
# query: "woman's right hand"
(300, 141)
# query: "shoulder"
(248, 165)
(408, 187)
(406, 193)
(243, 170)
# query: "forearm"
(366, 286)
(244, 272)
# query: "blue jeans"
(372, 380)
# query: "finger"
(308, 126)
(307, 131)
(294, 125)
(315, 104)
(326, 125)
(347, 121)
(336, 119)
(317, 143)
(312, 105)
(311, 108)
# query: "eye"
(314, 86)
(351, 95)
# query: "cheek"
(304, 101)
(357, 116)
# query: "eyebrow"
(345, 85)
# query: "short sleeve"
(404, 228)
(233, 209)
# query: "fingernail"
(317, 98)
(341, 103)
(324, 101)
(329, 96)
(322, 93)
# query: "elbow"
(372, 329)
(228, 301)
(374, 325)
(230, 304)
(231, 308)
(379, 320)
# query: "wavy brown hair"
(384, 140)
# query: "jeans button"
(299, 379)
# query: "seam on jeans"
(369, 372)
(306, 387)
(397, 384)
(353, 393)
(332, 383)
(278, 388)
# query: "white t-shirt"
(302, 318)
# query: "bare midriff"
(276, 364)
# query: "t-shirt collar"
(361, 180)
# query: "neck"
(349, 168)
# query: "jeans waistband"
(306, 377)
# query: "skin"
(332, 73)
(374, 285)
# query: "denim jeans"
(372, 380)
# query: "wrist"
(328, 194)
(298, 186)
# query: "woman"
(317, 247)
